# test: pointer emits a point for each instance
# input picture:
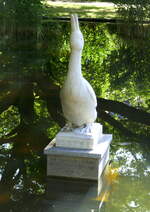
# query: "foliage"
(20, 14)
(98, 45)
(84, 9)
(33, 64)
(9, 120)
(134, 73)
(133, 10)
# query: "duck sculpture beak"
(74, 22)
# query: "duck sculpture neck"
(75, 64)
(76, 45)
(78, 98)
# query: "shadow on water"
(33, 63)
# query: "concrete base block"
(74, 139)
(78, 163)
(77, 195)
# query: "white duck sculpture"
(78, 98)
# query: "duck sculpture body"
(78, 98)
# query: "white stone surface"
(97, 152)
(78, 163)
(80, 141)
(78, 98)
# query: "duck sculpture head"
(76, 38)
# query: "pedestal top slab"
(78, 139)
(97, 152)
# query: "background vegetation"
(34, 54)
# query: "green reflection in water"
(33, 64)
(132, 190)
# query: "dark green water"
(33, 64)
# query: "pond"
(33, 66)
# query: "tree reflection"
(33, 62)
(132, 189)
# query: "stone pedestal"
(77, 140)
(78, 163)
(75, 195)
